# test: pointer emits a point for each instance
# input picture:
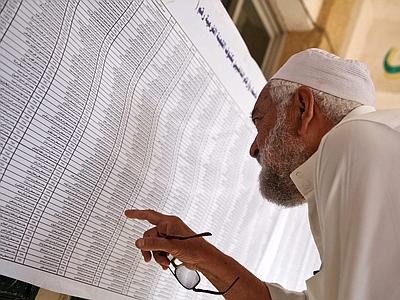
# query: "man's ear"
(304, 104)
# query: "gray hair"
(334, 108)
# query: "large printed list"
(110, 105)
(103, 108)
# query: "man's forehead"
(264, 92)
(262, 99)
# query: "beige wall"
(358, 29)
(376, 30)
(336, 18)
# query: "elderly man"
(319, 141)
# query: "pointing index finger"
(149, 215)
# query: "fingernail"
(139, 243)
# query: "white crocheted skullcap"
(324, 71)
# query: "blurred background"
(366, 30)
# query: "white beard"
(282, 154)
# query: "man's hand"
(192, 252)
(196, 253)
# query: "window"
(260, 29)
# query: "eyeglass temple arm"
(215, 292)
(173, 237)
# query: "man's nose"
(254, 149)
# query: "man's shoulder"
(371, 130)
(389, 117)
(366, 124)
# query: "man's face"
(278, 149)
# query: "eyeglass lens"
(188, 278)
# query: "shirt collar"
(303, 176)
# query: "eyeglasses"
(190, 279)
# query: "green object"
(390, 69)
(17, 290)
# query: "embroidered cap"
(324, 71)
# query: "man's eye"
(255, 119)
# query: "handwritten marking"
(213, 29)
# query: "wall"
(360, 29)
(377, 30)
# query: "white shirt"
(352, 186)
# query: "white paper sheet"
(129, 104)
